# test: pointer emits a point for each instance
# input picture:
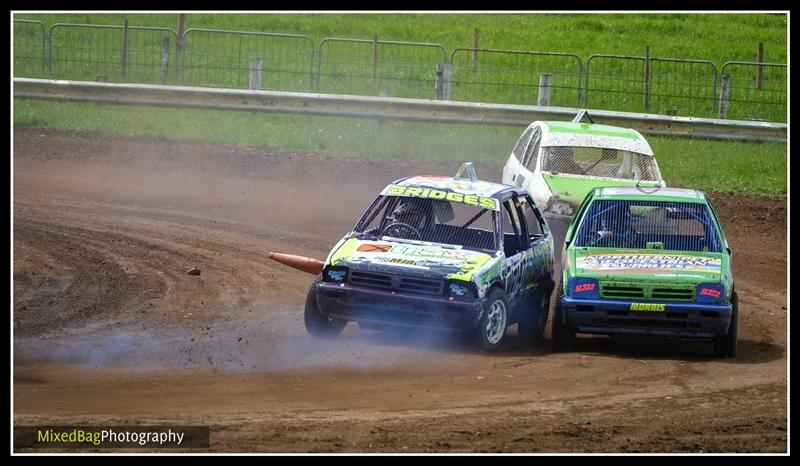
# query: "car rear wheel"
(533, 319)
(319, 325)
(725, 346)
(491, 329)
(562, 335)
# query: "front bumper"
(606, 316)
(373, 306)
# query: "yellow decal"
(647, 307)
(471, 199)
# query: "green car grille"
(655, 291)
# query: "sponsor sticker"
(623, 262)
(652, 307)
(427, 193)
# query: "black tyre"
(725, 346)
(317, 324)
(562, 335)
(533, 318)
(491, 330)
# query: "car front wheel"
(533, 319)
(491, 329)
(319, 325)
(725, 346)
(562, 335)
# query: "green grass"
(719, 166)
(718, 37)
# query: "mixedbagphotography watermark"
(80, 437)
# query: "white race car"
(560, 162)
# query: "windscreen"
(672, 226)
(599, 161)
(431, 220)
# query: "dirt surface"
(110, 329)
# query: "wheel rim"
(496, 322)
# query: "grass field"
(758, 168)
(717, 37)
(710, 165)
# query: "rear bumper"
(615, 316)
(372, 306)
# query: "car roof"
(459, 185)
(649, 194)
(567, 133)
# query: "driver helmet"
(413, 212)
(616, 220)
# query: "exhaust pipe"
(305, 264)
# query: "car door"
(516, 251)
(538, 267)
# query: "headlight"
(335, 274)
(460, 290)
(710, 293)
(584, 288)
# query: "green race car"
(651, 261)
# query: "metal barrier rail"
(385, 107)
(290, 62)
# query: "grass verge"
(720, 166)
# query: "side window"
(532, 151)
(511, 229)
(532, 222)
(522, 142)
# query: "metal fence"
(755, 90)
(254, 60)
(90, 52)
(652, 85)
(513, 76)
(287, 62)
(379, 68)
(30, 48)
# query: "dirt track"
(109, 328)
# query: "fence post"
(647, 78)
(124, 57)
(256, 70)
(179, 48)
(724, 91)
(545, 88)
(375, 65)
(476, 35)
(443, 73)
(760, 68)
(164, 59)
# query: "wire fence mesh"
(656, 85)
(110, 53)
(512, 76)
(289, 62)
(30, 48)
(380, 68)
(757, 91)
(216, 58)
